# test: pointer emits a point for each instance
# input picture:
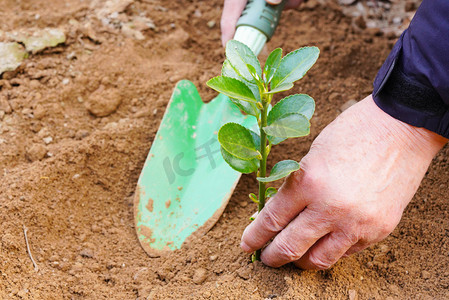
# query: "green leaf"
(281, 88)
(253, 198)
(232, 88)
(288, 126)
(280, 170)
(295, 65)
(270, 192)
(256, 139)
(271, 64)
(240, 165)
(256, 77)
(238, 141)
(228, 70)
(275, 140)
(240, 55)
(248, 107)
(300, 103)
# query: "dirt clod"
(200, 276)
(103, 102)
(36, 152)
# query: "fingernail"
(245, 247)
(275, 2)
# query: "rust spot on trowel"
(149, 205)
(167, 204)
(179, 188)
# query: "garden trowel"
(185, 184)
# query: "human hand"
(232, 9)
(361, 172)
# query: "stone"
(11, 56)
(40, 39)
(200, 276)
(47, 140)
(213, 257)
(211, 24)
(353, 295)
(36, 152)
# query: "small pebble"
(397, 20)
(353, 295)
(197, 13)
(211, 24)
(47, 140)
(384, 248)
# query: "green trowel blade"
(185, 184)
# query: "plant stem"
(263, 163)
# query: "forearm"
(413, 84)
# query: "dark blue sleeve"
(413, 83)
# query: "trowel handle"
(262, 16)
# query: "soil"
(78, 120)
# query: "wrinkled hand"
(232, 10)
(360, 174)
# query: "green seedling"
(251, 88)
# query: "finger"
(293, 3)
(361, 245)
(294, 241)
(232, 9)
(277, 213)
(326, 252)
(290, 3)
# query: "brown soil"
(101, 96)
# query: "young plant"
(252, 90)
